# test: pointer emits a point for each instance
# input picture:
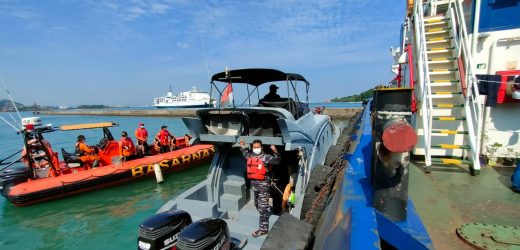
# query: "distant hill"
(355, 98)
(6, 105)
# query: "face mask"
(142, 126)
(257, 150)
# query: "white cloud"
(320, 39)
(182, 45)
(18, 11)
(159, 8)
(134, 12)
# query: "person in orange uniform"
(162, 139)
(86, 154)
(126, 147)
(141, 135)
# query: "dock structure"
(334, 113)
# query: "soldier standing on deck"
(258, 167)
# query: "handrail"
(472, 97)
(411, 76)
(424, 78)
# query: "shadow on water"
(105, 218)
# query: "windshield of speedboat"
(247, 95)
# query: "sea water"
(101, 219)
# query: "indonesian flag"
(227, 96)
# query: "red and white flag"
(227, 96)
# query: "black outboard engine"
(11, 177)
(211, 233)
(161, 231)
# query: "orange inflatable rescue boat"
(43, 177)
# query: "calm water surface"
(103, 219)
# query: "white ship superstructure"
(185, 99)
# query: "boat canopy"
(256, 76)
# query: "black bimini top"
(256, 77)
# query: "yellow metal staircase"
(449, 113)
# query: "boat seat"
(71, 159)
(103, 143)
(286, 103)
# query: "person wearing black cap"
(272, 96)
(86, 153)
(162, 140)
(126, 147)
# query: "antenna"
(9, 124)
(14, 120)
(203, 48)
(11, 98)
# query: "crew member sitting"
(272, 96)
(126, 147)
(162, 139)
(141, 135)
(86, 153)
(258, 165)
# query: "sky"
(67, 52)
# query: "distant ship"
(186, 99)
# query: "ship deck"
(449, 197)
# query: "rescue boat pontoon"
(43, 176)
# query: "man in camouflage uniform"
(261, 188)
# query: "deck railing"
(473, 105)
(423, 78)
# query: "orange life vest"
(141, 134)
(164, 137)
(256, 169)
(126, 147)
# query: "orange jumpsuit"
(86, 154)
(126, 147)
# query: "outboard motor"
(210, 233)
(161, 231)
(11, 177)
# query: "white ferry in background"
(186, 99)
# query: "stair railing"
(473, 105)
(424, 78)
